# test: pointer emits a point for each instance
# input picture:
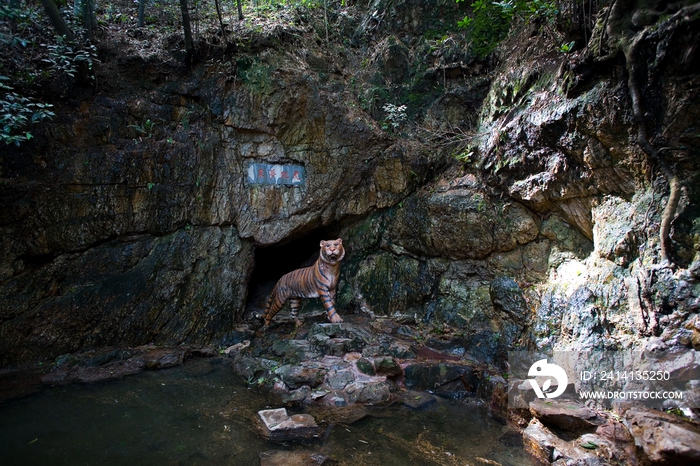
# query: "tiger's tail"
(274, 304)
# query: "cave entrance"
(271, 262)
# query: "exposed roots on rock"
(621, 38)
(643, 141)
(649, 321)
(629, 45)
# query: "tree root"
(629, 45)
(649, 324)
(643, 141)
(628, 42)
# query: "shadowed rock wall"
(130, 221)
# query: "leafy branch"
(395, 115)
(491, 21)
(16, 112)
(68, 58)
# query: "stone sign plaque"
(267, 173)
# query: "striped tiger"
(318, 281)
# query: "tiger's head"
(332, 251)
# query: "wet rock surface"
(99, 366)
(96, 366)
(547, 448)
(351, 364)
(342, 387)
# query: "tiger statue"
(318, 281)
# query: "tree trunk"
(221, 22)
(57, 20)
(88, 16)
(189, 44)
(240, 10)
(63, 30)
(142, 12)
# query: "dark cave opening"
(271, 262)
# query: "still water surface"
(201, 414)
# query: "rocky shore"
(337, 373)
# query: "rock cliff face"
(130, 221)
(561, 201)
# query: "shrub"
(491, 21)
(16, 112)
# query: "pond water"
(201, 414)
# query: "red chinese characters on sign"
(276, 174)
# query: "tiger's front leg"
(328, 300)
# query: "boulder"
(375, 391)
(666, 439)
(338, 380)
(567, 415)
(338, 346)
(308, 373)
(254, 369)
(322, 332)
(387, 366)
(365, 366)
(294, 351)
(546, 448)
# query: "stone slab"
(278, 426)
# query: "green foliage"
(370, 98)
(256, 74)
(9, 13)
(489, 25)
(32, 55)
(16, 112)
(395, 115)
(566, 48)
(465, 156)
(589, 445)
(65, 57)
(308, 3)
(113, 14)
(491, 21)
(146, 128)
